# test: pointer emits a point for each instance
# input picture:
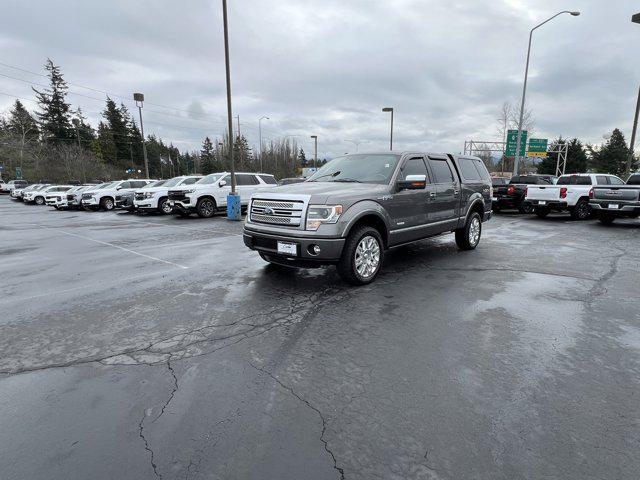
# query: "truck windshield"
(358, 168)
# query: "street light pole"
(139, 99)
(635, 19)
(390, 109)
(524, 88)
(260, 135)
(233, 200)
(315, 151)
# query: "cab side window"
(602, 180)
(441, 171)
(190, 181)
(615, 181)
(414, 166)
(468, 170)
(245, 179)
(125, 185)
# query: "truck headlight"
(149, 195)
(319, 214)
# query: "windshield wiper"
(327, 175)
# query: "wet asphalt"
(135, 347)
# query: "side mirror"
(413, 182)
(222, 183)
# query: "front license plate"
(542, 202)
(287, 248)
(613, 206)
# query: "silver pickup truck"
(617, 201)
(358, 206)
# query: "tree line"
(56, 143)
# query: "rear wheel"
(39, 200)
(362, 256)
(206, 207)
(525, 207)
(107, 203)
(164, 207)
(542, 212)
(606, 219)
(468, 237)
(581, 211)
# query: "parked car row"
(183, 195)
(582, 195)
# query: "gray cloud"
(328, 67)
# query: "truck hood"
(328, 192)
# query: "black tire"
(164, 207)
(39, 200)
(107, 203)
(582, 210)
(525, 208)
(542, 212)
(606, 219)
(206, 207)
(364, 243)
(468, 237)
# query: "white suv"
(38, 196)
(209, 194)
(156, 197)
(105, 196)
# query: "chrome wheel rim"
(367, 257)
(583, 211)
(207, 208)
(474, 231)
(166, 208)
(108, 204)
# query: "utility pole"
(315, 151)
(633, 136)
(390, 109)
(139, 99)
(233, 200)
(260, 136)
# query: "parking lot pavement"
(160, 347)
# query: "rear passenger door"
(247, 184)
(446, 203)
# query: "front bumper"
(124, 203)
(330, 248)
(90, 202)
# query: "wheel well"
(210, 198)
(105, 197)
(477, 207)
(376, 222)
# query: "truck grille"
(176, 195)
(277, 212)
(139, 196)
(71, 197)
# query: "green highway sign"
(537, 148)
(512, 143)
(18, 173)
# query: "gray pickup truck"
(358, 206)
(616, 201)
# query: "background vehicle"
(12, 184)
(571, 193)
(71, 198)
(209, 194)
(38, 196)
(356, 207)
(55, 194)
(156, 196)
(512, 195)
(617, 201)
(289, 181)
(105, 197)
(17, 193)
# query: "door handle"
(432, 194)
(456, 192)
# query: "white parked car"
(39, 196)
(155, 197)
(571, 194)
(17, 193)
(209, 194)
(9, 186)
(105, 196)
(70, 198)
(55, 194)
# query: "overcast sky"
(327, 67)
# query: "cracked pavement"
(168, 350)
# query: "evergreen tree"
(83, 129)
(241, 153)
(576, 158)
(106, 146)
(207, 158)
(612, 156)
(302, 159)
(54, 115)
(21, 123)
(117, 124)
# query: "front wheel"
(39, 200)
(206, 207)
(468, 237)
(362, 256)
(107, 203)
(164, 207)
(542, 212)
(581, 211)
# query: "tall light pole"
(260, 135)
(139, 99)
(315, 151)
(390, 109)
(635, 19)
(524, 88)
(233, 200)
(356, 143)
